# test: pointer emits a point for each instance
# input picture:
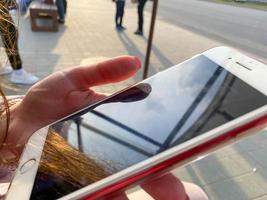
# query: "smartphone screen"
(166, 110)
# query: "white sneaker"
(5, 70)
(23, 77)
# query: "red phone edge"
(191, 153)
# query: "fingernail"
(137, 62)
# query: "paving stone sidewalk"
(237, 172)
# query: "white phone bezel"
(223, 56)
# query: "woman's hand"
(166, 187)
(65, 92)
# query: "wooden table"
(43, 10)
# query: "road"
(242, 28)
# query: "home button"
(27, 165)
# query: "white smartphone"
(167, 120)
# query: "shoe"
(118, 27)
(61, 21)
(24, 78)
(138, 32)
(5, 70)
(122, 28)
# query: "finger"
(110, 71)
(78, 99)
(166, 187)
(194, 192)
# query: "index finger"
(109, 71)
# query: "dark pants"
(140, 9)
(61, 8)
(119, 12)
(9, 35)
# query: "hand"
(63, 93)
(166, 187)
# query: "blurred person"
(24, 5)
(140, 11)
(120, 4)
(62, 10)
(9, 35)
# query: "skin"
(54, 97)
(166, 187)
(63, 93)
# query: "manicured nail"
(137, 62)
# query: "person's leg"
(9, 36)
(61, 10)
(9, 40)
(65, 6)
(117, 16)
(121, 13)
(140, 10)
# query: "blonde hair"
(4, 115)
(68, 163)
